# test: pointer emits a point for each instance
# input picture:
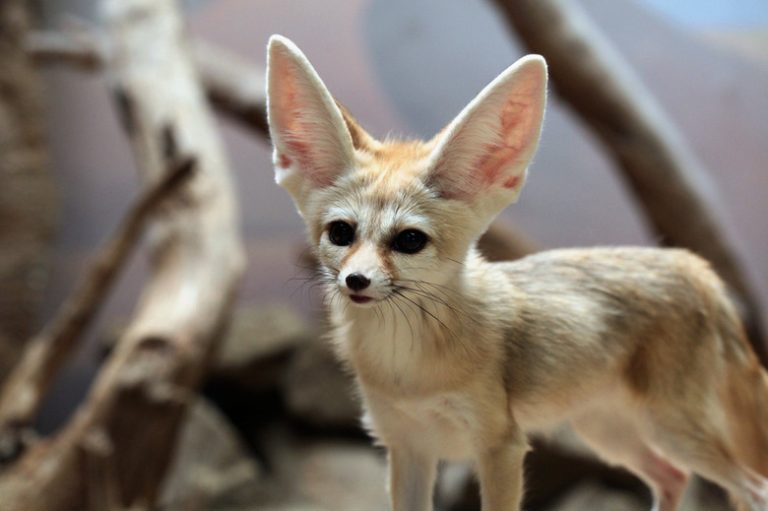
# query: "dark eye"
(341, 233)
(409, 241)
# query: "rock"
(555, 466)
(704, 496)
(211, 467)
(255, 350)
(317, 390)
(457, 488)
(331, 474)
(593, 496)
(344, 477)
(259, 345)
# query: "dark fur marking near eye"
(389, 267)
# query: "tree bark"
(656, 164)
(27, 198)
(235, 87)
(115, 450)
(28, 383)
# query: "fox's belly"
(539, 412)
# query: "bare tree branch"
(78, 49)
(141, 394)
(235, 87)
(27, 192)
(44, 356)
(656, 163)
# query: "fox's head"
(390, 215)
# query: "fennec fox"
(458, 358)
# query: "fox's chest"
(407, 389)
(398, 354)
(441, 424)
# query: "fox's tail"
(747, 403)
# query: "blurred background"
(403, 67)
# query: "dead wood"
(122, 436)
(234, 86)
(656, 163)
(45, 354)
(27, 195)
(79, 49)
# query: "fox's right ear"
(312, 145)
(483, 155)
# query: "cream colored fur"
(458, 359)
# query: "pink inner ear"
(512, 115)
(308, 161)
(493, 161)
(489, 146)
(296, 131)
(284, 161)
(512, 182)
(514, 135)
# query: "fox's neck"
(412, 329)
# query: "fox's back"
(636, 318)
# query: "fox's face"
(381, 230)
(392, 216)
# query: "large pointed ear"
(312, 145)
(484, 153)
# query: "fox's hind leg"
(689, 434)
(617, 440)
(746, 401)
(745, 397)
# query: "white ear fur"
(312, 145)
(484, 153)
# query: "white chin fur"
(366, 305)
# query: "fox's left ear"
(484, 153)
(312, 145)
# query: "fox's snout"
(361, 272)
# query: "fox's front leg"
(411, 479)
(500, 471)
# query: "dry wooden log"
(45, 354)
(656, 163)
(235, 87)
(27, 196)
(127, 425)
(80, 49)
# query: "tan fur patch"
(351, 251)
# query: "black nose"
(357, 281)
